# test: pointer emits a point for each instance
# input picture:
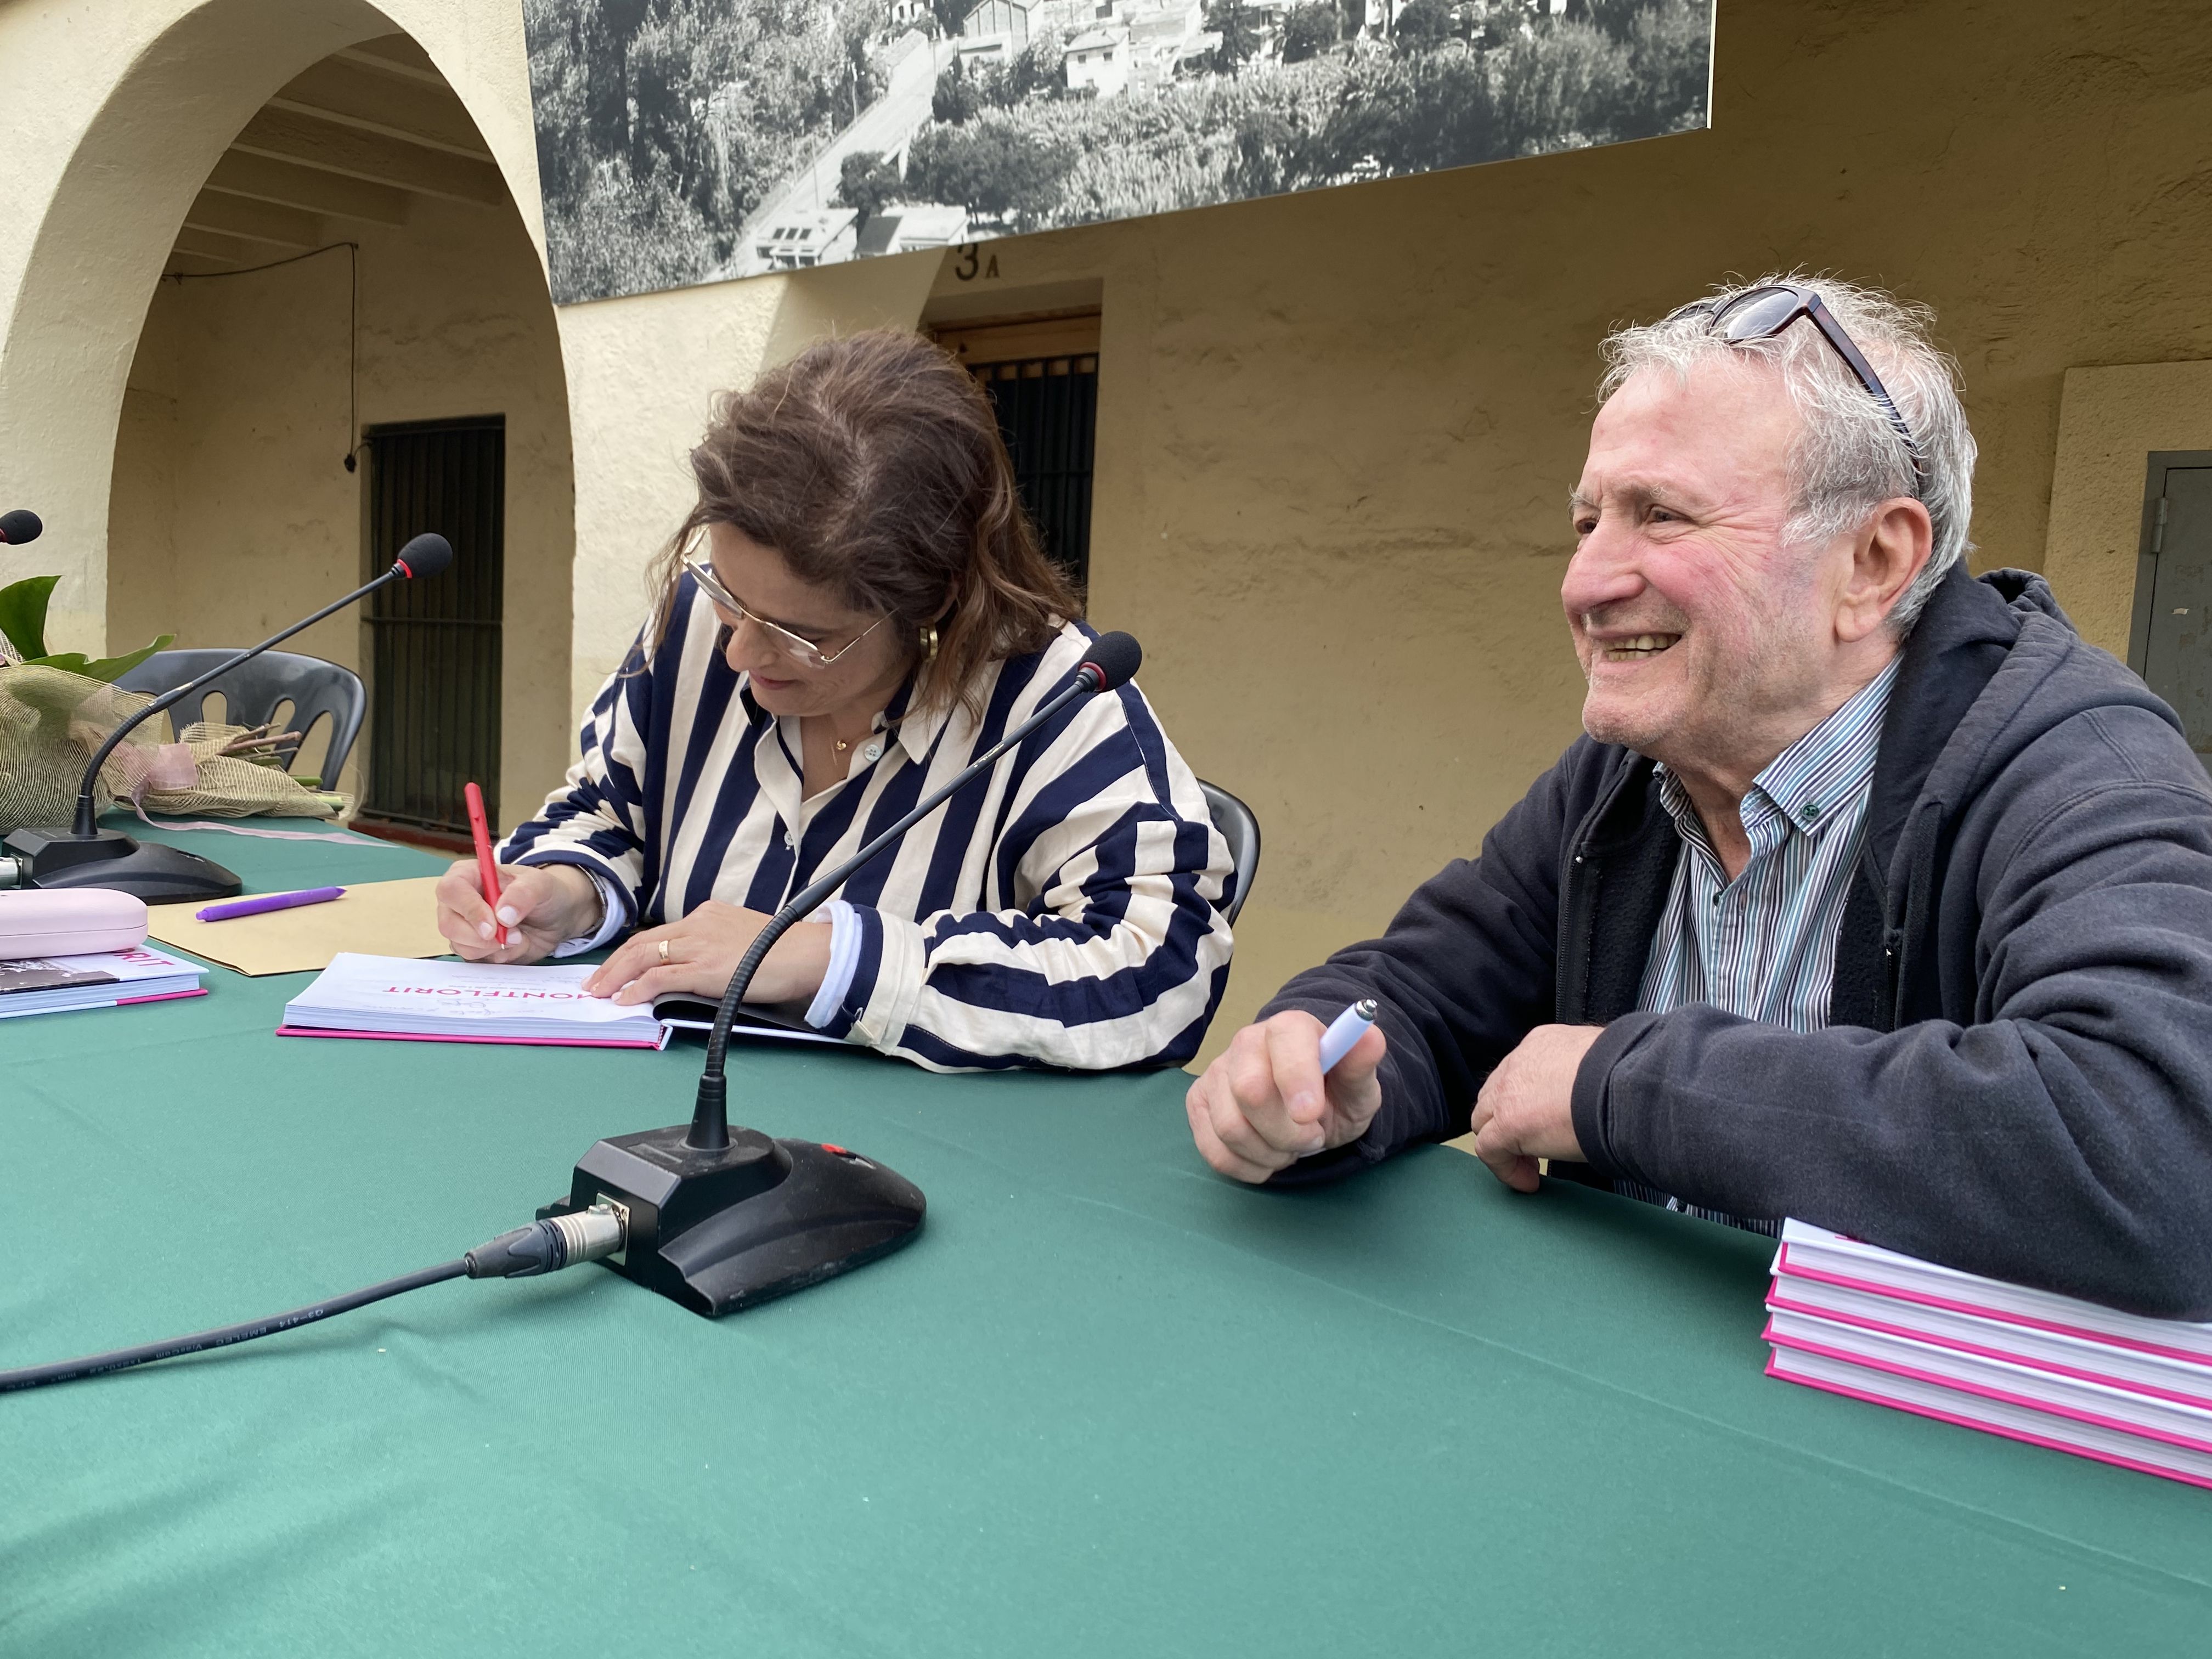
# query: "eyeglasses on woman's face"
(803, 652)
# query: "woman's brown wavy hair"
(873, 466)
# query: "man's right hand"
(542, 905)
(1264, 1104)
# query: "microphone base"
(121, 863)
(723, 1231)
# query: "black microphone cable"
(543, 1246)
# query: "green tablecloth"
(1106, 1404)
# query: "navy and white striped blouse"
(1063, 909)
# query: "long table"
(1106, 1403)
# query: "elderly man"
(1873, 896)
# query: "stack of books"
(108, 979)
(1856, 1319)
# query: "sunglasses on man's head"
(1760, 313)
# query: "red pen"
(486, 867)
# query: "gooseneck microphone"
(20, 526)
(86, 856)
(1112, 662)
(719, 1221)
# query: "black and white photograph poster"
(694, 141)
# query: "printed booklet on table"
(107, 979)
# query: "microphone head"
(426, 556)
(20, 526)
(1113, 659)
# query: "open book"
(364, 996)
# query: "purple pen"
(255, 906)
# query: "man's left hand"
(1526, 1109)
(704, 950)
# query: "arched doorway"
(191, 376)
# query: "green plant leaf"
(114, 668)
(23, 614)
(98, 668)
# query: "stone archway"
(161, 89)
(172, 92)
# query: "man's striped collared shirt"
(1764, 945)
(1062, 909)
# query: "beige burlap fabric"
(231, 786)
(51, 722)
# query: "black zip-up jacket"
(2017, 1077)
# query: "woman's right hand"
(541, 904)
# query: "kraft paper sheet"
(376, 918)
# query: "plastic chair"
(255, 690)
(1241, 831)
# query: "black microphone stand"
(718, 1221)
(84, 855)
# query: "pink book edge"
(2002, 1430)
(162, 996)
(521, 1042)
(1777, 1299)
(1954, 1386)
(1789, 1270)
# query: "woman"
(855, 609)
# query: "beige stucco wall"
(2111, 419)
(134, 104)
(1336, 429)
(137, 102)
(232, 512)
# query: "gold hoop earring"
(928, 643)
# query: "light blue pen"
(1348, 1027)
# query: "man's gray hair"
(1847, 458)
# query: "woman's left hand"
(697, 955)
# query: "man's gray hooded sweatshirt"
(2017, 1077)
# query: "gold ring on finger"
(663, 953)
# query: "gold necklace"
(838, 745)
